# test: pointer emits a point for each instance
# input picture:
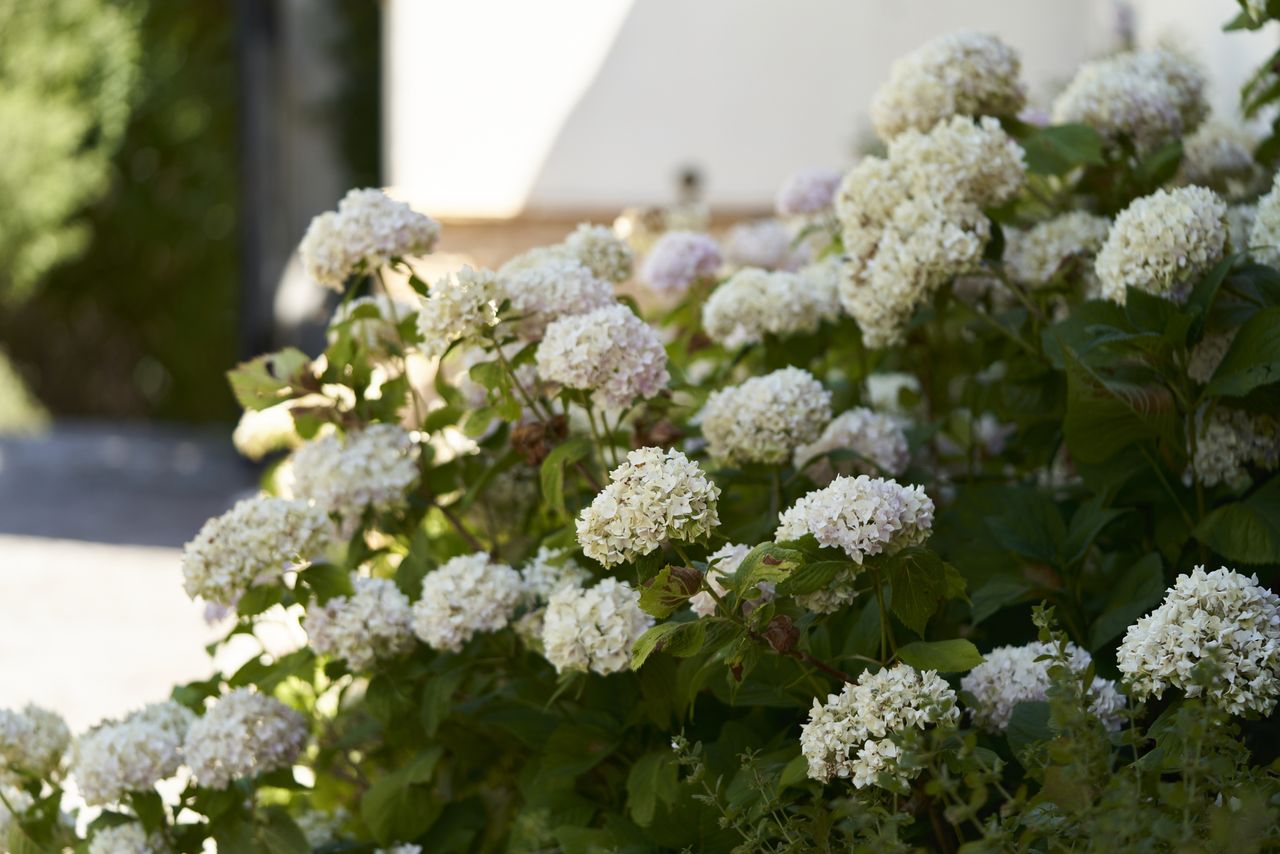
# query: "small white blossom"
(1219, 155)
(457, 308)
(559, 286)
(466, 595)
(32, 741)
(876, 438)
(403, 848)
(861, 516)
(653, 497)
(963, 73)
(678, 260)
(243, 734)
(253, 542)
(374, 622)
(127, 838)
(760, 243)
(609, 351)
(1229, 440)
(372, 467)
(1222, 615)
(367, 231)
(550, 571)
(264, 431)
(1034, 256)
(884, 391)
(1162, 243)
(319, 827)
(764, 419)
(755, 302)
(593, 628)
(131, 755)
(720, 564)
(1264, 235)
(807, 192)
(850, 736)
(605, 254)
(1147, 97)
(1010, 675)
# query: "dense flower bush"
(939, 513)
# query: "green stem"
(887, 642)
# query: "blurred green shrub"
(68, 69)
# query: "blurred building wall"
(493, 107)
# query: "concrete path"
(93, 618)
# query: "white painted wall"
(497, 106)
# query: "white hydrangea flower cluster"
(402, 848)
(1034, 256)
(550, 571)
(756, 302)
(367, 231)
(371, 467)
(915, 220)
(1208, 355)
(371, 320)
(457, 308)
(861, 516)
(874, 436)
(131, 755)
(1148, 97)
(374, 622)
(251, 543)
(601, 251)
(1010, 675)
(1162, 242)
(721, 563)
(1220, 614)
(32, 741)
(593, 628)
(678, 260)
(1264, 234)
(849, 736)
(1228, 440)
(653, 497)
(822, 279)
(1240, 220)
(962, 73)
(558, 286)
(127, 838)
(764, 419)
(466, 595)
(320, 827)
(609, 352)
(807, 192)
(1219, 155)
(264, 431)
(760, 243)
(242, 735)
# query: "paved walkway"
(92, 519)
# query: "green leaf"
(767, 562)
(1133, 595)
(18, 842)
(652, 779)
(1059, 149)
(1246, 531)
(269, 379)
(1032, 527)
(679, 639)
(326, 580)
(552, 472)
(996, 594)
(258, 599)
(946, 656)
(489, 374)
(437, 698)
(918, 580)
(1252, 360)
(149, 808)
(1086, 523)
(813, 577)
(1106, 415)
(398, 806)
(1028, 726)
(665, 592)
(279, 834)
